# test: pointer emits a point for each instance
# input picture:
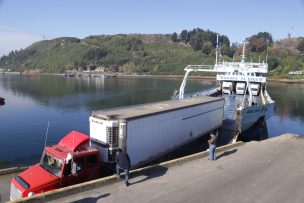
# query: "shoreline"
(270, 79)
(179, 77)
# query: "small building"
(296, 72)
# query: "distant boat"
(69, 75)
(2, 101)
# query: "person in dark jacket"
(123, 163)
(212, 144)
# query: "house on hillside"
(296, 73)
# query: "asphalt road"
(267, 171)
(5, 186)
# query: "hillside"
(148, 54)
(128, 53)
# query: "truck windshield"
(51, 164)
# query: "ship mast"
(216, 51)
(243, 52)
(245, 71)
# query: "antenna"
(291, 33)
(243, 51)
(266, 50)
(47, 131)
(73, 139)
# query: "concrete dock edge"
(59, 193)
(12, 170)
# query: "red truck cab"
(69, 162)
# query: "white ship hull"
(250, 115)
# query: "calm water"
(67, 103)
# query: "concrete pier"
(266, 171)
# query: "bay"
(33, 101)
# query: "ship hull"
(249, 116)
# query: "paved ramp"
(5, 186)
(266, 171)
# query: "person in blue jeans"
(212, 145)
(123, 163)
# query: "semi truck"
(69, 162)
(149, 131)
(144, 131)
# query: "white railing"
(230, 67)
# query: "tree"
(224, 40)
(184, 35)
(228, 51)
(174, 37)
(207, 47)
(300, 46)
(273, 63)
(196, 42)
(260, 41)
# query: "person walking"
(123, 163)
(212, 144)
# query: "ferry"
(244, 87)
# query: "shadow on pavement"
(152, 173)
(226, 153)
(91, 199)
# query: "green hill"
(118, 53)
(148, 54)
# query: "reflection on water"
(258, 132)
(289, 113)
(67, 103)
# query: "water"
(67, 103)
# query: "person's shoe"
(117, 175)
(127, 184)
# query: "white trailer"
(240, 88)
(255, 88)
(151, 130)
(227, 87)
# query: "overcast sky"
(25, 22)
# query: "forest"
(153, 53)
